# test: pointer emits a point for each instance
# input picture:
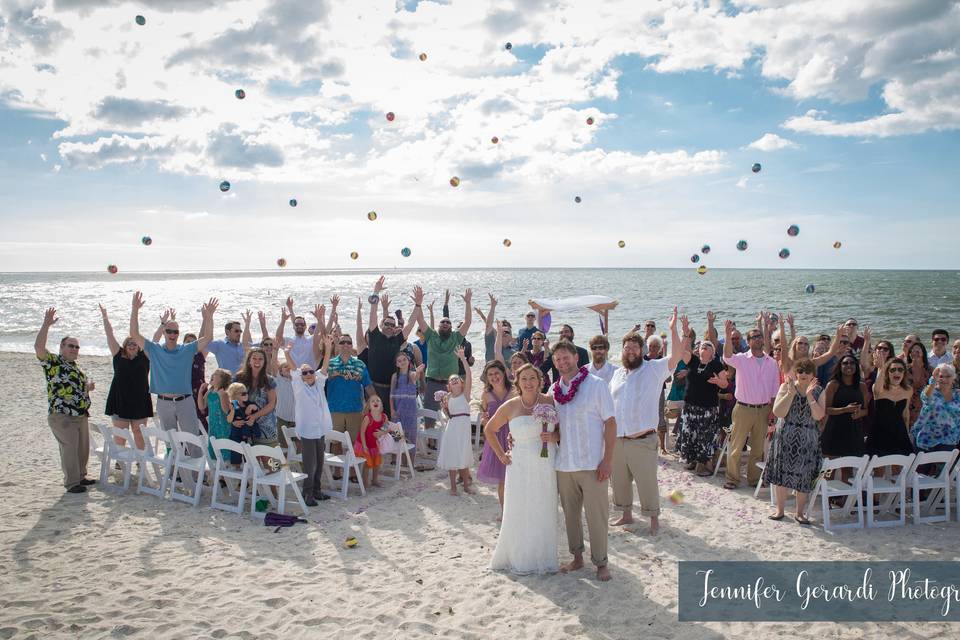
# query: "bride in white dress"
(528, 533)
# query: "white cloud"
(771, 142)
(742, 182)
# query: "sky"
(111, 131)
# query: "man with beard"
(384, 341)
(442, 346)
(585, 456)
(636, 388)
(302, 343)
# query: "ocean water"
(893, 303)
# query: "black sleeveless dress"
(889, 435)
(843, 436)
(129, 396)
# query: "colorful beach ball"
(508, 46)
(423, 57)
(405, 252)
(350, 542)
(695, 258)
(784, 253)
(577, 200)
(590, 120)
(793, 231)
(141, 20)
(224, 186)
(354, 255)
(702, 269)
(676, 496)
(506, 242)
(810, 288)
(373, 298)
(281, 262)
(240, 93)
(705, 249)
(112, 268)
(390, 116)
(454, 181)
(293, 202)
(742, 245)
(621, 244)
(371, 215)
(756, 167)
(146, 240)
(494, 139)
(837, 245)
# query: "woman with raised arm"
(128, 402)
(891, 393)
(800, 349)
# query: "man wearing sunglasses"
(68, 400)
(229, 350)
(171, 365)
(384, 340)
(938, 354)
(348, 386)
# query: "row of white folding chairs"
(180, 470)
(896, 480)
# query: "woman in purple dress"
(497, 389)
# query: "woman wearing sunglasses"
(891, 393)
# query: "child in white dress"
(456, 451)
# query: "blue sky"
(110, 131)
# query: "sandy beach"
(104, 565)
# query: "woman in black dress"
(890, 434)
(128, 403)
(845, 395)
(700, 416)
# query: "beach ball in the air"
(508, 46)
(371, 216)
(836, 245)
(742, 245)
(146, 240)
(224, 186)
(705, 249)
(590, 120)
(810, 288)
(240, 93)
(793, 230)
(756, 167)
(390, 116)
(621, 244)
(405, 252)
(354, 255)
(423, 57)
(494, 139)
(281, 262)
(784, 254)
(577, 199)
(506, 242)
(694, 258)
(702, 269)
(141, 20)
(112, 268)
(454, 181)
(293, 202)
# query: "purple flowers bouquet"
(547, 416)
(438, 396)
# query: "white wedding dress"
(528, 533)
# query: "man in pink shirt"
(758, 380)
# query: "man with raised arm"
(384, 341)
(68, 404)
(171, 365)
(442, 346)
(301, 342)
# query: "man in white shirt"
(302, 342)
(939, 354)
(587, 433)
(599, 365)
(636, 388)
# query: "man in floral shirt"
(68, 396)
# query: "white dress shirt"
(581, 425)
(636, 396)
(302, 350)
(313, 414)
(936, 361)
(605, 372)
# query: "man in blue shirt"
(171, 364)
(348, 385)
(228, 351)
(525, 335)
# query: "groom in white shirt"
(584, 458)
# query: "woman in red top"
(365, 446)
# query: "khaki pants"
(580, 491)
(348, 423)
(73, 436)
(752, 422)
(636, 460)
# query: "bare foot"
(453, 491)
(603, 574)
(624, 519)
(663, 451)
(468, 488)
(573, 565)
(376, 484)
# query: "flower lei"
(564, 398)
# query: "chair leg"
(357, 467)
(299, 495)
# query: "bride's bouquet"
(547, 416)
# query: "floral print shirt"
(66, 386)
(939, 421)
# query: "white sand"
(99, 565)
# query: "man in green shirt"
(441, 352)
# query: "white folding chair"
(187, 462)
(124, 454)
(344, 461)
(890, 485)
(833, 487)
(424, 435)
(157, 454)
(404, 455)
(282, 479)
(233, 480)
(293, 456)
(938, 486)
(722, 456)
(97, 450)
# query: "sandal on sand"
(804, 520)
(773, 516)
(729, 485)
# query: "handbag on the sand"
(280, 520)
